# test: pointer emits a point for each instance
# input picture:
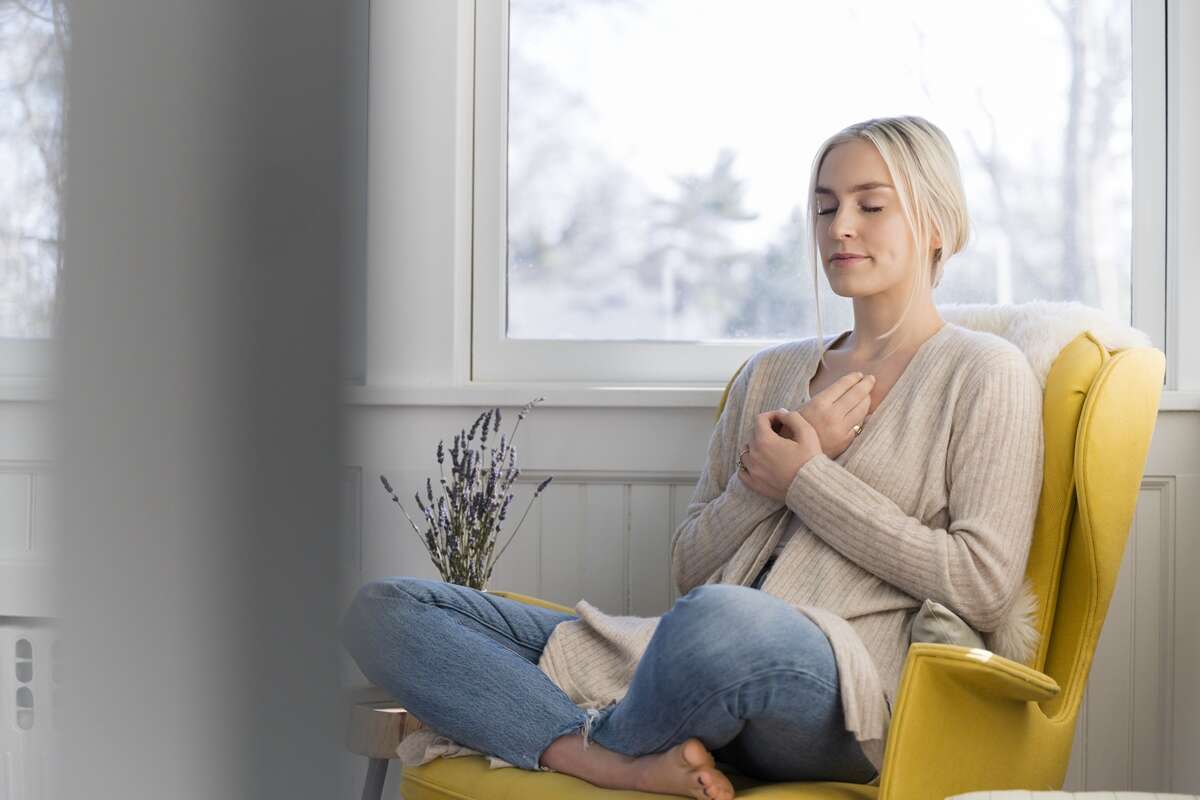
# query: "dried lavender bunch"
(464, 520)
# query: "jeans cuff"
(590, 717)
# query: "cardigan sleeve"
(994, 473)
(722, 511)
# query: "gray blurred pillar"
(197, 399)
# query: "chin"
(840, 286)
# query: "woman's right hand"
(836, 409)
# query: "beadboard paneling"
(603, 554)
(1124, 732)
(1184, 648)
(1109, 694)
(681, 496)
(27, 528)
(650, 529)
(1153, 578)
(16, 512)
(561, 517)
(522, 562)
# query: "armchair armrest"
(967, 720)
(532, 601)
(986, 671)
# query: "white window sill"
(593, 395)
(517, 394)
(564, 395)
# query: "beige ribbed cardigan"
(936, 498)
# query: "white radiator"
(29, 676)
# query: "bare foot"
(686, 769)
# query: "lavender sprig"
(464, 520)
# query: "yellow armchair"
(965, 719)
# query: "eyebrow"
(862, 187)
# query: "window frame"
(651, 363)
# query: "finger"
(850, 399)
(762, 423)
(773, 421)
(744, 475)
(839, 387)
(859, 412)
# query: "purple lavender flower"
(487, 419)
(464, 520)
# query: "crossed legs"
(738, 670)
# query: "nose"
(840, 227)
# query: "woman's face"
(864, 221)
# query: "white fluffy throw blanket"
(1040, 329)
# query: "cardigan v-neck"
(876, 417)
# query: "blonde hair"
(924, 171)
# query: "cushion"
(939, 625)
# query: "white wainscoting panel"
(27, 530)
(682, 494)
(1124, 735)
(1184, 648)
(650, 525)
(16, 512)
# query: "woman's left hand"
(774, 458)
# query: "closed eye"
(865, 208)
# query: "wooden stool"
(374, 729)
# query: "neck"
(863, 344)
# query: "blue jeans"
(751, 677)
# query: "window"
(640, 167)
(33, 39)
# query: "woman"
(909, 469)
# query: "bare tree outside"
(606, 243)
(1064, 218)
(33, 43)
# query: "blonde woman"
(847, 481)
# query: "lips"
(847, 259)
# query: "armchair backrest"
(1099, 411)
